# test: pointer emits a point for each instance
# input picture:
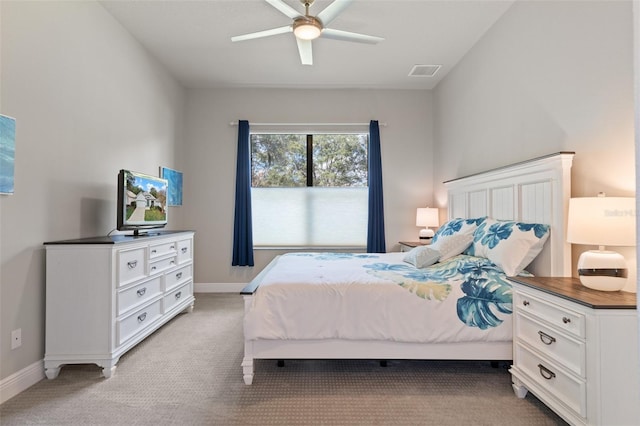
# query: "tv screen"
(142, 201)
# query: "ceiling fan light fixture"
(307, 28)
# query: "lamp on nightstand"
(427, 217)
(602, 221)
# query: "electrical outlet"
(16, 338)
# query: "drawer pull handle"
(566, 320)
(179, 275)
(525, 302)
(546, 373)
(142, 317)
(173, 262)
(545, 338)
(178, 295)
(153, 268)
(154, 251)
(184, 249)
(142, 291)
(132, 264)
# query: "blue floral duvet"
(380, 297)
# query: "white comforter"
(379, 297)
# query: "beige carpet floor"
(188, 373)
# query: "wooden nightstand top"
(415, 243)
(571, 289)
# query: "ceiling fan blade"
(306, 53)
(265, 33)
(349, 36)
(330, 12)
(284, 8)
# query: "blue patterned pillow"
(458, 226)
(510, 245)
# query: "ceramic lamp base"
(426, 234)
(602, 270)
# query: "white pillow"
(510, 245)
(422, 256)
(452, 245)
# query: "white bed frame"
(537, 191)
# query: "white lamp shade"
(602, 221)
(427, 217)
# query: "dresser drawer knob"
(172, 248)
(179, 275)
(142, 291)
(142, 317)
(546, 373)
(525, 302)
(178, 295)
(132, 264)
(154, 251)
(566, 320)
(545, 338)
(183, 250)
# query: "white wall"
(88, 101)
(547, 77)
(210, 160)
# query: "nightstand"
(408, 245)
(576, 349)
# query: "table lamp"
(602, 221)
(427, 217)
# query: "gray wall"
(87, 101)
(547, 77)
(210, 160)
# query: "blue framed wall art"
(7, 153)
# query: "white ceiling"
(192, 39)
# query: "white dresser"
(106, 294)
(576, 349)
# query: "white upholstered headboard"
(536, 191)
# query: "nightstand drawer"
(553, 379)
(567, 351)
(567, 320)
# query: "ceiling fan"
(307, 27)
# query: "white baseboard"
(21, 380)
(218, 287)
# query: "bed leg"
(383, 363)
(280, 363)
(495, 364)
(247, 370)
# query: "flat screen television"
(142, 201)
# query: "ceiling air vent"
(424, 70)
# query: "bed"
(422, 304)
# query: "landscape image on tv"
(146, 199)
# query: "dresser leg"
(52, 373)
(518, 388)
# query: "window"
(309, 190)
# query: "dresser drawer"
(161, 265)
(567, 351)
(139, 320)
(185, 252)
(131, 265)
(139, 294)
(565, 319)
(553, 378)
(177, 277)
(176, 296)
(160, 250)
